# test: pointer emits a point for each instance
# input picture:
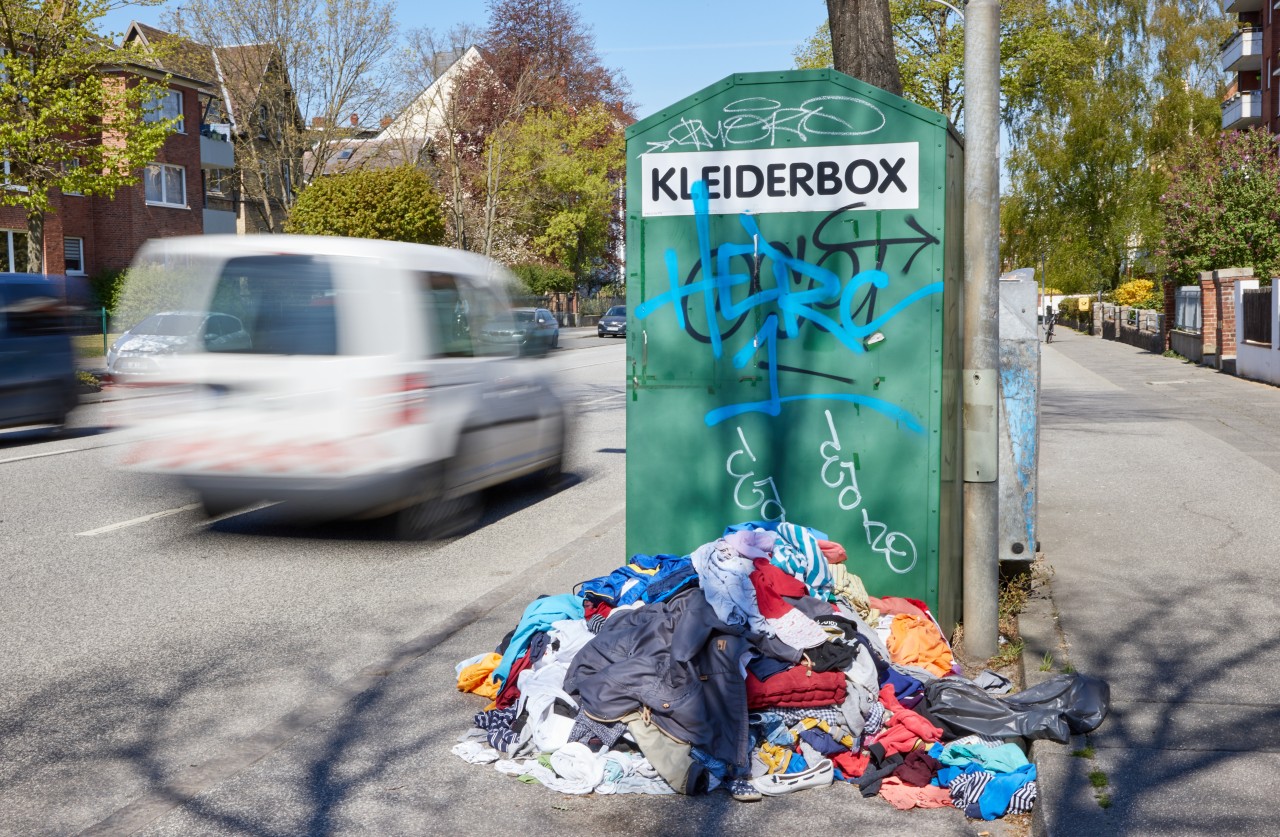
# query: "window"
(166, 185)
(13, 251)
(218, 181)
(167, 105)
(73, 163)
(466, 319)
(73, 256)
(7, 171)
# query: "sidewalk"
(1158, 500)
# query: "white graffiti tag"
(849, 496)
(884, 543)
(762, 500)
(758, 120)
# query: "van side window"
(284, 302)
(447, 312)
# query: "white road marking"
(58, 452)
(605, 398)
(137, 520)
(38, 455)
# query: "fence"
(1188, 312)
(1256, 304)
(1135, 326)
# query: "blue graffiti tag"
(796, 307)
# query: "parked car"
(365, 390)
(613, 323)
(37, 361)
(531, 330)
(141, 349)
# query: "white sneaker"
(779, 784)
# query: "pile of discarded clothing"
(759, 664)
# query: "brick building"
(85, 235)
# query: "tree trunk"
(491, 196)
(862, 42)
(35, 241)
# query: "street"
(142, 646)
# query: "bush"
(399, 204)
(107, 287)
(1076, 308)
(1138, 293)
(149, 287)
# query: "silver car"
(141, 349)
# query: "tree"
(929, 48)
(543, 279)
(1222, 207)
(399, 204)
(1089, 160)
(862, 42)
(562, 176)
(70, 109)
(536, 57)
(547, 40)
(286, 63)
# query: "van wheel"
(551, 473)
(438, 517)
(213, 504)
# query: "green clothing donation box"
(793, 339)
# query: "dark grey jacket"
(680, 661)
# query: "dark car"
(37, 362)
(530, 330)
(613, 323)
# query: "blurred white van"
(364, 387)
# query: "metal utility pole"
(981, 325)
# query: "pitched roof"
(350, 154)
(240, 71)
(185, 56)
(243, 70)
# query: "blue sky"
(666, 49)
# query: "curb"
(1042, 639)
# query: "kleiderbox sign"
(784, 179)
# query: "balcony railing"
(216, 150)
(1242, 110)
(1242, 52)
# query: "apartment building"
(1253, 55)
(85, 235)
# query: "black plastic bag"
(1054, 709)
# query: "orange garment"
(904, 797)
(478, 677)
(916, 641)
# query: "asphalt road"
(140, 645)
